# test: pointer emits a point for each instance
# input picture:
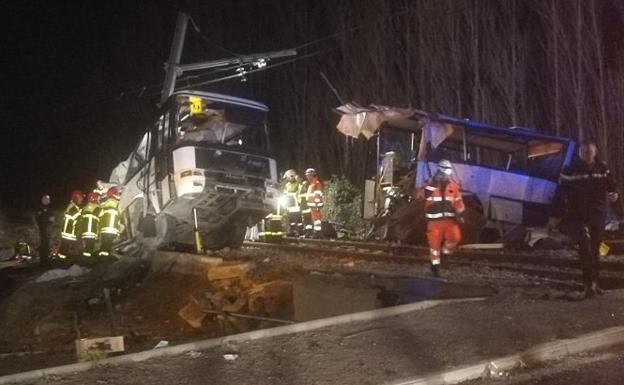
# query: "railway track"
(545, 265)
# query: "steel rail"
(548, 267)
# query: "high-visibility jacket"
(109, 217)
(314, 195)
(291, 192)
(90, 221)
(443, 200)
(70, 222)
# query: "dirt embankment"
(40, 321)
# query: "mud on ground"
(40, 321)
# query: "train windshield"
(209, 121)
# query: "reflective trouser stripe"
(317, 225)
(435, 256)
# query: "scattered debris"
(194, 354)
(88, 349)
(161, 344)
(230, 357)
(227, 271)
(192, 313)
(73, 271)
(492, 371)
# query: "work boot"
(435, 270)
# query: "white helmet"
(445, 167)
(310, 171)
(290, 174)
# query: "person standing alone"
(44, 219)
(444, 206)
(585, 187)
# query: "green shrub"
(343, 205)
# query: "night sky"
(81, 82)
(68, 66)
(81, 79)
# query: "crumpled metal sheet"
(356, 121)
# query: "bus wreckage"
(201, 170)
(508, 175)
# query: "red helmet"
(76, 196)
(113, 192)
(93, 197)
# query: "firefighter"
(109, 221)
(314, 199)
(292, 203)
(44, 219)
(443, 208)
(584, 189)
(89, 224)
(69, 232)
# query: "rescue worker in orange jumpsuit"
(314, 197)
(443, 208)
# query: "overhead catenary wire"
(209, 41)
(239, 75)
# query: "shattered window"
(207, 121)
(513, 152)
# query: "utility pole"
(174, 57)
(175, 69)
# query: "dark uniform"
(582, 200)
(44, 218)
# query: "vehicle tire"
(236, 234)
(165, 228)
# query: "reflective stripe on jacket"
(90, 221)
(109, 217)
(443, 200)
(291, 192)
(72, 214)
